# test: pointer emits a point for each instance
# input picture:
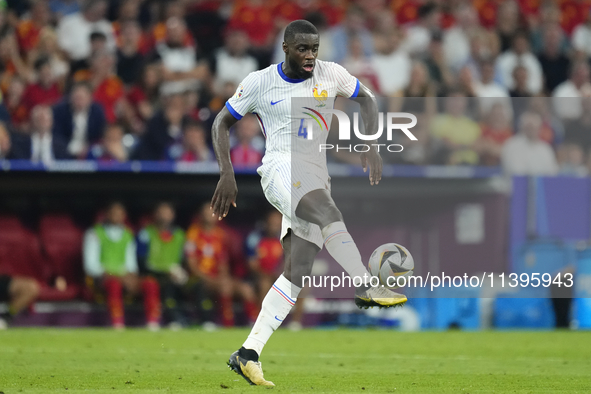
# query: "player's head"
(300, 44)
(116, 213)
(164, 214)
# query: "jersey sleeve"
(245, 98)
(347, 85)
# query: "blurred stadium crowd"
(127, 80)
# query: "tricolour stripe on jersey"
(282, 294)
(233, 111)
(261, 123)
(320, 115)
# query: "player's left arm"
(369, 114)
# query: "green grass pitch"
(310, 361)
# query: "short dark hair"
(98, 36)
(41, 62)
(299, 26)
(427, 9)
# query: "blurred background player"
(20, 292)
(160, 248)
(208, 261)
(110, 264)
(265, 261)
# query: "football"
(391, 261)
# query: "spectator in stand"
(555, 64)
(567, 96)
(78, 120)
(525, 153)
(249, 145)
(484, 47)
(28, 30)
(520, 78)
(111, 149)
(74, 30)
(171, 9)
(508, 23)
(15, 104)
(457, 132)
(194, 148)
(143, 97)
(5, 142)
(520, 54)
(570, 158)
(456, 40)
(19, 292)
(581, 37)
(130, 61)
(265, 253)
(110, 263)
(490, 92)
(164, 129)
(108, 89)
(40, 146)
(255, 18)
(418, 34)
(11, 63)
(552, 129)
(439, 71)
(578, 131)
(232, 63)
(549, 16)
(46, 90)
(352, 26)
(417, 97)
(160, 247)
(208, 261)
(389, 56)
(361, 66)
(47, 47)
(181, 69)
(496, 130)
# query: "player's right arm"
(226, 189)
(243, 102)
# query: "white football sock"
(276, 306)
(342, 248)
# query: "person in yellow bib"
(110, 263)
(160, 251)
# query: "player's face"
(302, 53)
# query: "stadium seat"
(20, 251)
(61, 240)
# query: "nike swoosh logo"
(346, 242)
(273, 103)
(277, 318)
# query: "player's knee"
(32, 288)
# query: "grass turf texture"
(310, 361)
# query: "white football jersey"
(286, 107)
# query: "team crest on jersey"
(239, 91)
(321, 97)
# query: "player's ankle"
(248, 354)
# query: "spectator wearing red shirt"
(15, 104)
(172, 9)
(28, 30)
(208, 262)
(496, 129)
(46, 90)
(108, 88)
(247, 152)
(256, 19)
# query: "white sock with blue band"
(275, 308)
